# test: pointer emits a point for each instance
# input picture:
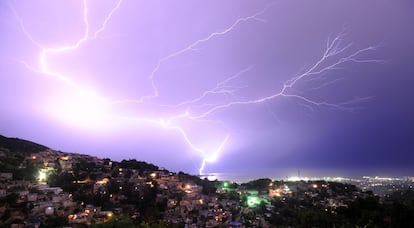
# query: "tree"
(259, 184)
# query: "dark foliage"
(20, 145)
(138, 165)
(259, 184)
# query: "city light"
(42, 176)
(253, 201)
(226, 184)
(143, 102)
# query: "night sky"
(214, 86)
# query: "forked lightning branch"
(96, 107)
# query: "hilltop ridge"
(20, 145)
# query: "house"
(6, 176)
(3, 192)
(32, 197)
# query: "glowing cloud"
(86, 107)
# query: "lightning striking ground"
(195, 108)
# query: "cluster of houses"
(183, 202)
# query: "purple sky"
(240, 85)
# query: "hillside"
(20, 145)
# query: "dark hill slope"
(20, 145)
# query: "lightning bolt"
(192, 46)
(44, 69)
(333, 58)
(322, 66)
(45, 52)
(221, 88)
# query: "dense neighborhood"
(41, 187)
